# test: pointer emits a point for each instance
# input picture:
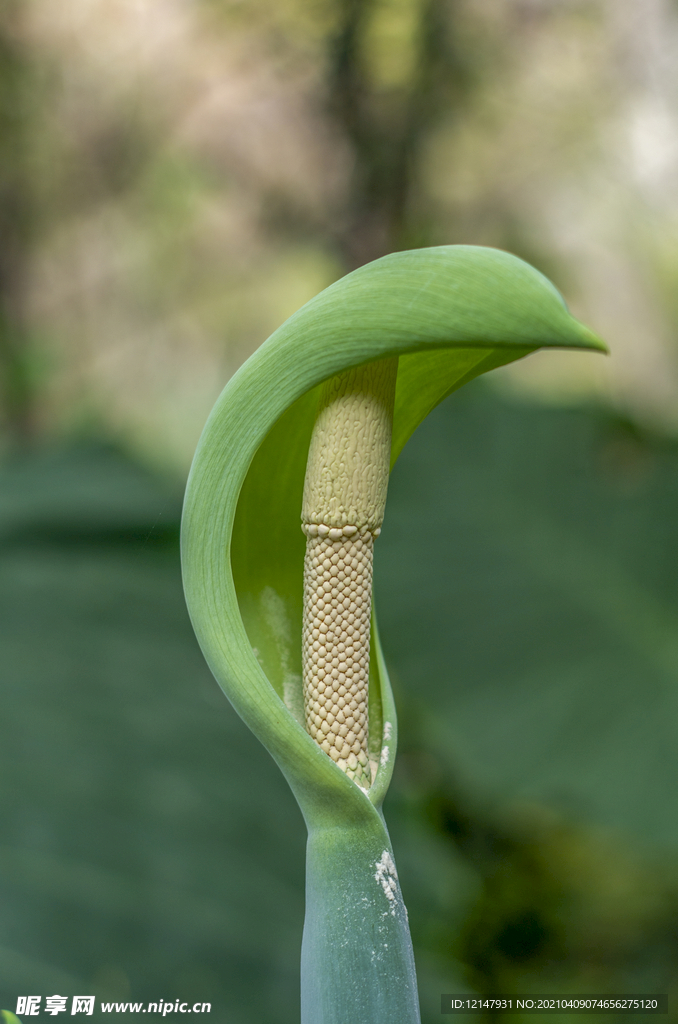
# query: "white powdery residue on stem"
(384, 755)
(387, 731)
(387, 878)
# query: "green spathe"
(449, 313)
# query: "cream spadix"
(343, 509)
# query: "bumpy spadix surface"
(336, 648)
(343, 509)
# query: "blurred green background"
(176, 178)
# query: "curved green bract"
(449, 314)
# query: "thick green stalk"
(356, 958)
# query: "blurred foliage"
(17, 118)
(532, 626)
(392, 71)
(132, 855)
(150, 847)
(179, 177)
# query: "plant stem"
(357, 965)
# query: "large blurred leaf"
(131, 863)
(536, 615)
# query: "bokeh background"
(176, 178)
